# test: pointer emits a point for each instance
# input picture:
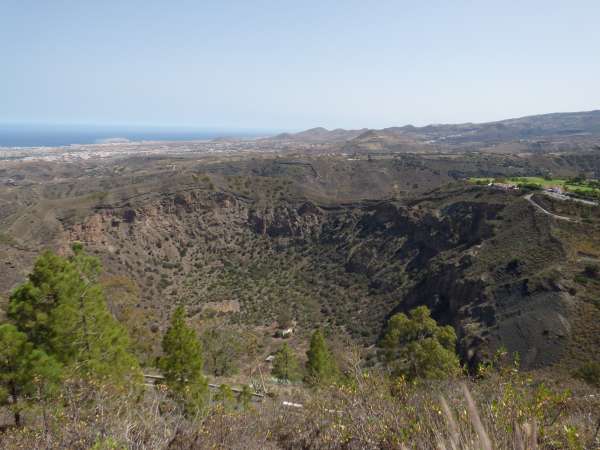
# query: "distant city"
(44, 135)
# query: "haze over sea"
(44, 135)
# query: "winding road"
(545, 211)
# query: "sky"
(291, 65)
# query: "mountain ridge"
(557, 124)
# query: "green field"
(589, 188)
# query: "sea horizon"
(19, 135)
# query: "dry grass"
(500, 411)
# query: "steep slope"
(483, 261)
(249, 241)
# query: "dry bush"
(371, 412)
(509, 414)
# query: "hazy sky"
(295, 64)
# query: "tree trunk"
(15, 396)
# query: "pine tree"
(285, 365)
(122, 294)
(31, 303)
(245, 397)
(321, 367)
(415, 346)
(225, 397)
(24, 371)
(62, 310)
(181, 364)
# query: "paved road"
(556, 216)
(569, 198)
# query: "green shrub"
(590, 373)
(415, 346)
(529, 186)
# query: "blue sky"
(295, 64)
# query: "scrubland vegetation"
(69, 378)
(205, 272)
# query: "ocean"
(19, 135)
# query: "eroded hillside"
(483, 261)
(325, 242)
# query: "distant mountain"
(539, 127)
(529, 127)
(321, 134)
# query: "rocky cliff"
(350, 266)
